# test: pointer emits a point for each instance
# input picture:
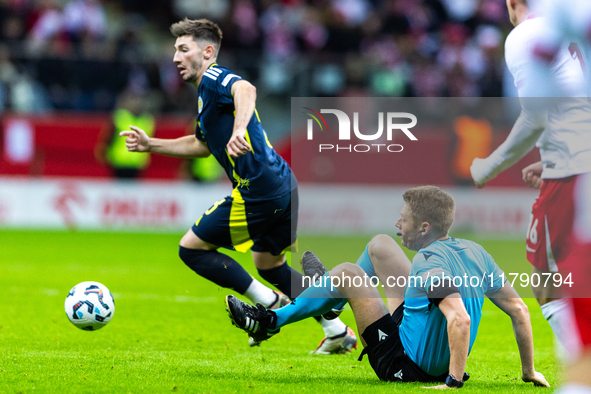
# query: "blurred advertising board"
(61, 203)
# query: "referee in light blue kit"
(428, 327)
(258, 213)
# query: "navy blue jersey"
(261, 174)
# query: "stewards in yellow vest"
(206, 169)
(112, 151)
(201, 169)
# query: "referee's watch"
(451, 381)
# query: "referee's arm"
(458, 333)
(507, 299)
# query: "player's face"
(408, 228)
(188, 57)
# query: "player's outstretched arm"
(532, 175)
(244, 94)
(507, 299)
(522, 138)
(186, 147)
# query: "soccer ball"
(90, 306)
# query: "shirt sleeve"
(221, 80)
(533, 117)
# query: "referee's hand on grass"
(536, 378)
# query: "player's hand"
(532, 175)
(137, 140)
(237, 146)
(536, 378)
(476, 170)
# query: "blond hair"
(432, 205)
(199, 29)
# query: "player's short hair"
(432, 205)
(199, 29)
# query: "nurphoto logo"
(392, 124)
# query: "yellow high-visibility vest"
(207, 169)
(117, 153)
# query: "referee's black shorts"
(386, 353)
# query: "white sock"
(332, 328)
(574, 388)
(258, 293)
(560, 316)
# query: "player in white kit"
(571, 22)
(560, 129)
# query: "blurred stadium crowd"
(82, 54)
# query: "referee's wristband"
(451, 381)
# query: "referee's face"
(188, 57)
(408, 228)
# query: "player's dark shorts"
(386, 353)
(264, 226)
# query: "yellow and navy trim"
(239, 224)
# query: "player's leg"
(276, 270)
(578, 379)
(345, 281)
(273, 225)
(266, 262)
(319, 298)
(198, 250)
(548, 244)
(556, 310)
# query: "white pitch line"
(140, 296)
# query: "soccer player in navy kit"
(258, 213)
(427, 328)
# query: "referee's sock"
(289, 281)
(224, 271)
(314, 301)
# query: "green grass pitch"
(170, 332)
